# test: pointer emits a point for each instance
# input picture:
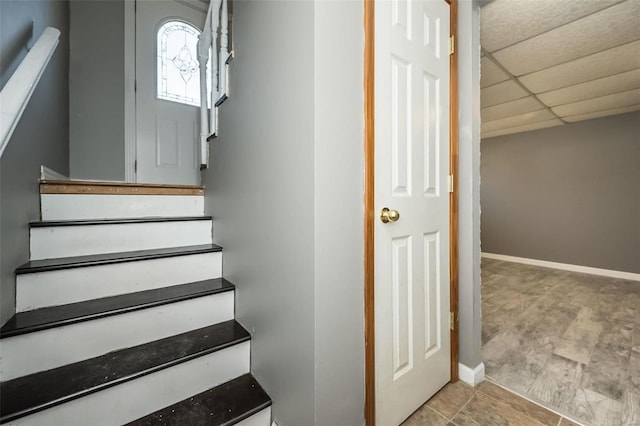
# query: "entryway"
(559, 192)
(167, 92)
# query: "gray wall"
(568, 194)
(339, 213)
(42, 135)
(469, 183)
(260, 190)
(96, 99)
(290, 153)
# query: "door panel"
(412, 167)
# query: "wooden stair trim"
(116, 188)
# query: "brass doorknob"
(387, 215)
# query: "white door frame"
(129, 91)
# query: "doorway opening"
(560, 196)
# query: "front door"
(412, 237)
(167, 92)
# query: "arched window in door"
(178, 74)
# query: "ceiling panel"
(607, 28)
(612, 61)
(509, 109)
(592, 89)
(490, 73)
(501, 92)
(525, 128)
(499, 18)
(617, 100)
(599, 114)
(518, 120)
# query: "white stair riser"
(65, 241)
(261, 418)
(50, 288)
(47, 349)
(93, 206)
(136, 398)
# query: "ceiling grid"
(549, 62)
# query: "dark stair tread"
(109, 258)
(227, 404)
(38, 391)
(55, 316)
(46, 223)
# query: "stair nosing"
(249, 413)
(14, 332)
(118, 257)
(119, 221)
(124, 379)
(201, 398)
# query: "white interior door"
(167, 92)
(412, 167)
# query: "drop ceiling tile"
(612, 61)
(490, 73)
(605, 113)
(518, 120)
(500, 17)
(593, 89)
(617, 100)
(605, 29)
(509, 109)
(520, 129)
(500, 93)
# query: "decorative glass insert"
(178, 67)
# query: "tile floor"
(458, 404)
(570, 341)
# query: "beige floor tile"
(483, 410)
(633, 377)
(596, 409)
(558, 382)
(451, 399)
(581, 337)
(498, 350)
(567, 422)
(607, 373)
(631, 409)
(528, 408)
(425, 416)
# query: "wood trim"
(116, 188)
(369, 214)
(453, 197)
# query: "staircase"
(123, 316)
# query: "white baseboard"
(471, 376)
(565, 266)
